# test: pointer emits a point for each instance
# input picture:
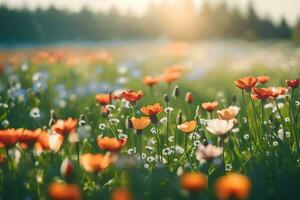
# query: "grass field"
(150, 120)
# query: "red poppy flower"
(261, 93)
(132, 96)
(103, 99)
(293, 83)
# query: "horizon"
(274, 9)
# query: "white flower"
(35, 113)
(168, 109)
(219, 127)
(209, 152)
(163, 120)
(102, 126)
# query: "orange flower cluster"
(10, 137)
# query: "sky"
(271, 8)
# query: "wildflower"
(233, 185)
(29, 136)
(48, 141)
(193, 181)
(210, 106)
(166, 98)
(103, 99)
(110, 144)
(121, 194)
(64, 127)
(189, 97)
(276, 91)
(60, 191)
(261, 93)
(67, 168)
(176, 91)
(102, 126)
(168, 109)
(150, 81)
(263, 79)
(246, 83)
(219, 127)
(171, 77)
(187, 127)
(94, 162)
(35, 113)
(293, 83)
(207, 153)
(140, 123)
(229, 113)
(164, 120)
(9, 137)
(152, 111)
(132, 96)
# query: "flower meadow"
(92, 125)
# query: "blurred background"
(34, 21)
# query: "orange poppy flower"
(121, 194)
(103, 99)
(228, 113)
(150, 81)
(209, 106)
(48, 141)
(64, 127)
(193, 181)
(174, 68)
(152, 109)
(29, 136)
(94, 162)
(110, 144)
(9, 137)
(170, 77)
(187, 127)
(293, 83)
(140, 123)
(246, 83)
(60, 191)
(233, 185)
(132, 96)
(261, 93)
(263, 79)
(189, 97)
(276, 91)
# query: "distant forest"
(176, 20)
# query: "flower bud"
(179, 118)
(233, 98)
(189, 97)
(176, 91)
(128, 123)
(66, 168)
(166, 98)
(82, 120)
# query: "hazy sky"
(273, 8)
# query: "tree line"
(175, 20)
